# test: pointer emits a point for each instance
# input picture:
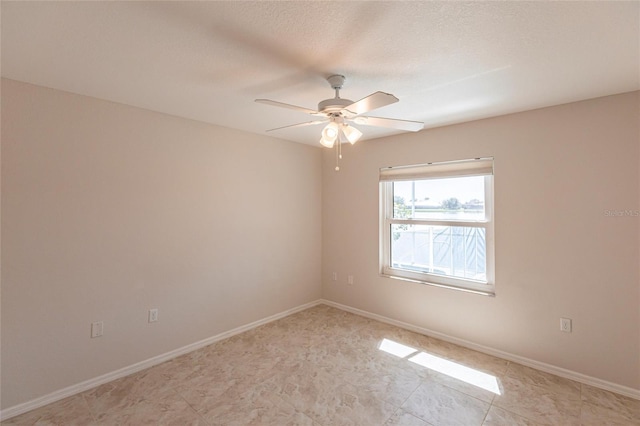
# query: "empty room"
(420, 213)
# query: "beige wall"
(109, 210)
(557, 254)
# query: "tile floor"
(324, 366)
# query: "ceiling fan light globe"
(327, 143)
(351, 133)
(330, 132)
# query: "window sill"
(452, 287)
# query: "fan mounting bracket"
(336, 81)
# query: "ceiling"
(447, 62)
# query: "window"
(436, 224)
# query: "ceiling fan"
(339, 113)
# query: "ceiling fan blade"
(283, 105)
(371, 102)
(309, 123)
(410, 126)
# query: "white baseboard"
(139, 366)
(548, 368)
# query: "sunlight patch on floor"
(452, 369)
(395, 348)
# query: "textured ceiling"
(448, 62)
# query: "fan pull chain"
(338, 152)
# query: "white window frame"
(474, 167)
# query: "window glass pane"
(460, 198)
(453, 251)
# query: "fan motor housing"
(333, 105)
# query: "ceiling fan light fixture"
(330, 132)
(352, 134)
(326, 143)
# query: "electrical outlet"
(153, 315)
(350, 280)
(334, 276)
(97, 328)
(565, 325)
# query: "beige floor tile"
(171, 410)
(254, 407)
(593, 415)
(322, 355)
(349, 405)
(482, 388)
(384, 352)
(499, 417)
(550, 382)
(125, 393)
(259, 366)
(303, 385)
(325, 320)
(432, 345)
(72, 411)
(402, 418)
(365, 360)
(391, 384)
(376, 331)
(329, 400)
(342, 359)
(478, 361)
(467, 358)
(289, 335)
(249, 345)
(202, 391)
(470, 372)
(598, 401)
(179, 373)
(538, 403)
(440, 405)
